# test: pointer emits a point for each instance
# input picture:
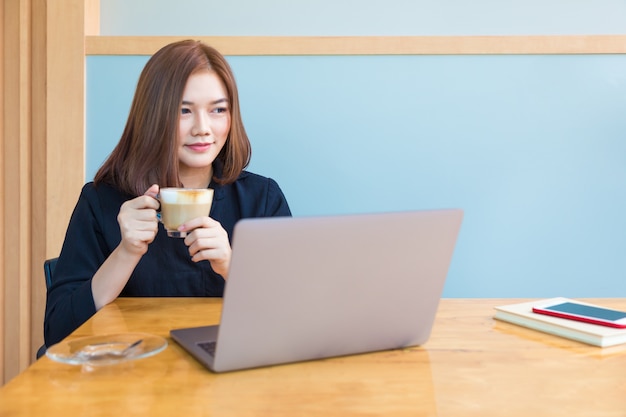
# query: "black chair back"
(48, 269)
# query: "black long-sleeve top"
(164, 270)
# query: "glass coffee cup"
(179, 205)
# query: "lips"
(199, 147)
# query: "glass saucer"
(106, 349)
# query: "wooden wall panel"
(92, 17)
(42, 159)
(39, 117)
(3, 56)
(58, 173)
(368, 45)
(16, 179)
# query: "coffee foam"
(186, 195)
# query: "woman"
(184, 130)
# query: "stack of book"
(522, 314)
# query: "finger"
(219, 257)
(142, 202)
(142, 220)
(153, 191)
(209, 253)
(196, 245)
(204, 222)
(138, 241)
(206, 235)
(211, 242)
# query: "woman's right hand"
(138, 221)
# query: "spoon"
(101, 350)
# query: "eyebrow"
(218, 101)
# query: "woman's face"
(204, 123)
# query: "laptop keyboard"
(208, 347)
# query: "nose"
(201, 125)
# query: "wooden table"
(471, 366)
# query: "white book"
(592, 334)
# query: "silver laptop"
(306, 288)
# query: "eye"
(185, 110)
(220, 110)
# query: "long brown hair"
(147, 151)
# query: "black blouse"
(164, 270)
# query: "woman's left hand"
(207, 240)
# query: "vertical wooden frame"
(58, 156)
(2, 153)
(16, 183)
(39, 119)
(43, 79)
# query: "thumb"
(153, 191)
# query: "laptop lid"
(306, 288)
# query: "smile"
(199, 147)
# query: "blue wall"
(531, 147)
